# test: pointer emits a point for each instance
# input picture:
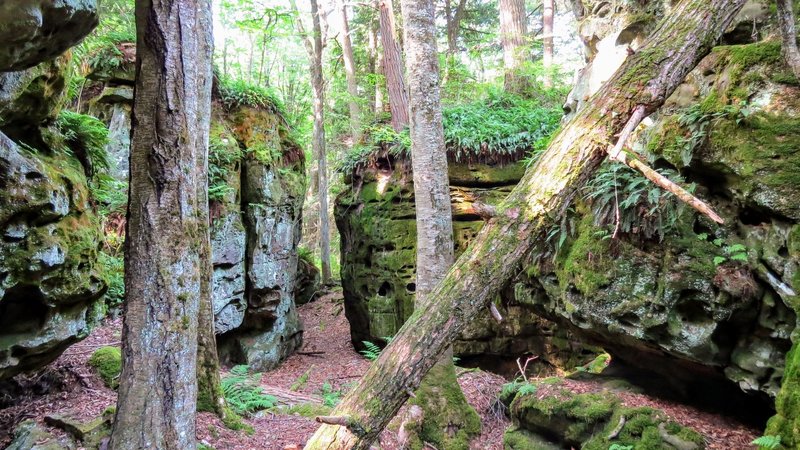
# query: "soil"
(331, 366)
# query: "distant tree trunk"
(578, 9)
(393, 68)
(447, 417)
(454, 19)
(209, 388)
(514, 31)
(547, 30)
(314, 45)
(263, 57)
(786, 20)
(167, 227)
(523, 219)
(350, 74)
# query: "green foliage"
(643, 208)
(236, 93)
(371, 352)
(301, 381)
(309, 410)
(222, 156)
(107, 361)
(768, 442)
(697, 119)
(201, 446)
(730, 252)
(243, 393)
(113, 268)
(620, 447)
(110, 194)
(84, 137)
(330, 397)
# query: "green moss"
(107, 361)
(445, 409)
(586, 262)
(309, 410)
(641, 431)
(235, 422)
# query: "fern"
(371, 352)
(243, 392)
(84, 137)
(330, 397)
(620, 447)
(768, 442)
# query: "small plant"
(768, 442)
(733, 252)
(223, 155)
(236, 93)
(301, 380)
(243, 392)
(620, 447)
(330, 397)
(113, 268)
(371, 352)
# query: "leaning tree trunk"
(522, 221)
(514, 31)
(393, 67)
(447, 420)
(786, 20)
(167, 228)
(350, 74)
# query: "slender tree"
(166, 243)
(393, 67)
(314, 45)
(514, 31)
(523, 219)
(453, 18)
(788, 28)
(350, 72)
(547, 39)
(448, 420)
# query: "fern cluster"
(768, 442)
(84, 137)
(243, 392)
(371, 351)
(236, 93)
(222, 156)
(330, 397)
(644, 209)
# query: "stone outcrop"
(33, 31)
(50, 281)
(376, 221)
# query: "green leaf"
(719, 260)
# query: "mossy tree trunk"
(786, 19)
(167, 247)
(448, 421)
(522, 221)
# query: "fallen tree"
(522, 221)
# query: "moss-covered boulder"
(555, 417)
(29, 435)
(33, 31)
(31, 97)
(107, 362)
(307, 284)
(49, 277)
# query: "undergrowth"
(85, 138)
(236, 93)
(243, 393)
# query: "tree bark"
(314, 45)
(392, 68)
(646, 79)
(514, 30)
(447, 417)
(786, 21)
(167, 244)
(350, 74)
(547, 30)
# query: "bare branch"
(495, 313)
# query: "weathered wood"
(167, 226)
(647, 78)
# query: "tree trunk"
(209, 388)
(350, 75)
(392, 68)
(786, 20)
(314, 46)
(646, 79)
(454, 19)
(514, 31)
(167, 244)
(547, 30)
(447, 417)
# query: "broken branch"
(495, 313)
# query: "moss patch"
(107, 361)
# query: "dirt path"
(330, 367)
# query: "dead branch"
(495, 313)
(618, 429)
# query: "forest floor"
(325, 368)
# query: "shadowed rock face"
(49, 279)
(33, 31)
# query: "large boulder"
(33, 31)
(31, 97)
(49, 277)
